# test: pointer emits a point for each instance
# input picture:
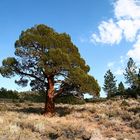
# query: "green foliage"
(40, 53)
(69, 99)
(133, 79)
(32, 96)
(138, 83)
(37, 97)
(8, 94)
(86, 82)
(130, 73)
(110, 84)
(22, 96)
(95, 100)
(132, 92)
(7, 70)
(121, 91)
(138, 78)
(121, 88)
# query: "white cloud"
(127, 9)
(109, 32)
(124, 25)
(135, 51)
(129, 28)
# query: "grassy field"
(108, 120)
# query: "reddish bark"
(49, 103)
(50, 96)
(49, 106)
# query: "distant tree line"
(36, 96)
(20, 96)
(8, 94)
(132, 79)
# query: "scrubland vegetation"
(106, 120)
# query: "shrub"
(125, 103)
(126, 116)
(69, 99)
(3, 107)
(32, 96)
(92, 110)
(8, 94)
(135, 110)
(136, 124)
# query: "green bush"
(95, 100)
(8, 94)
(69, 99)
(33, 96)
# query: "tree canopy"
(49, 61)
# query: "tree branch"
(30, 75)
(58, 93)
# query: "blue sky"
(105, 34)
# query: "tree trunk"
(49, 106)
(49, 103)
(50, 96)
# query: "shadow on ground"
(29, 110)
(61, 111)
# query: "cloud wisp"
(124, 25)
(109, 32)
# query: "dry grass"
(110, 120)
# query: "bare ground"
(109, 120)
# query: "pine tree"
(121, 88)
(131, 73)
(50, 62)
(110, 84)
(132, 78)
(138, 84)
